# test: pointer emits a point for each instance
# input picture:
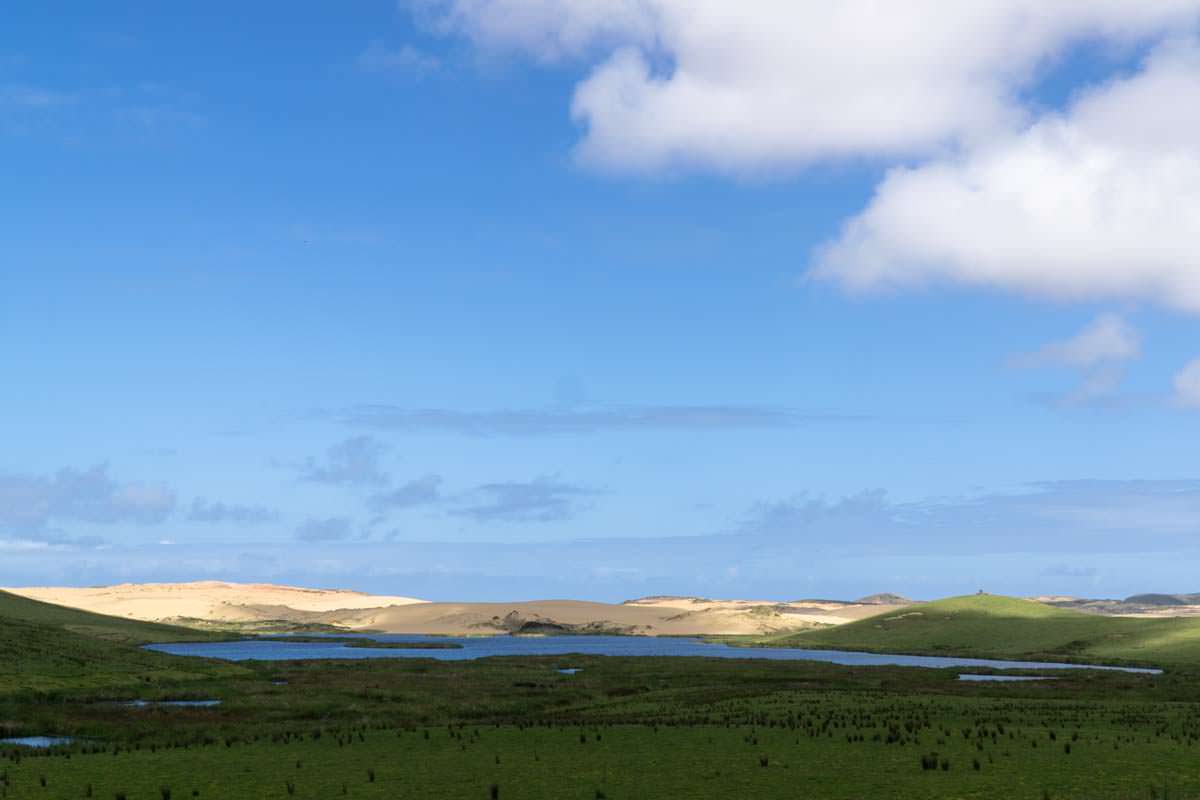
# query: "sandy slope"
(207, 600)
(224, 603)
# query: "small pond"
(171, 703)
(37, 741)
(1003, 678)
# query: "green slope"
(46, 647)
(990, 626)
(15, 607)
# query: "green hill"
(45, 647)
(991, 626)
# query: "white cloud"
(1099, 201)
(1107, 339)
(768, 84)
(1187, 385)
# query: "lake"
(279, 649)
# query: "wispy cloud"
(407, 59)
(217, 512)
(540, 500)
(33, 97)
(331, 529)
(353, 462)
(1076, 515)
(1107, 339)
(421, 491)
(30, 502)
(1099, 353)
(1062, 570)
(551, 422)
(1187, 385)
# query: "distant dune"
(1138, 605)
(652, 616)
(266, 607)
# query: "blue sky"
(477, 299)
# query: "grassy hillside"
(1007, 627)
(45, 647)
(15, 607)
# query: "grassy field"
(620, 728)
(1007, 627)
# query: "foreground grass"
(634, 762)
(1004, 627)
(620, 728)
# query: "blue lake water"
(37, 741)
(1002, 678)
(280, 649)
(172, 703)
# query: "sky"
(514, 299)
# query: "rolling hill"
(1007, 627)
(46, 647)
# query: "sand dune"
(213, 603)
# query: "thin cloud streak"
(539, 422)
